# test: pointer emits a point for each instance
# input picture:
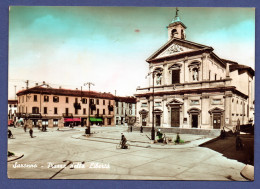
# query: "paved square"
(68, 154)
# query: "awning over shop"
(93, 119)
(76, 119)
(71, 119)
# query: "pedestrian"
(222, 134)
(239, 143)
(131, 128)
(123, 142)
(10, 135)
(31, 132)
(25, 127)
(141, 129)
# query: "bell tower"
(176, 28)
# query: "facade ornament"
(174, 48)
(195, 74)
(158, 79)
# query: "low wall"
(208, 132)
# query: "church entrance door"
(175, 116)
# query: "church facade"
(191, 87)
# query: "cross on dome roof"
(176, 18)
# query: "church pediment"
(216, 110)
(173, 49)
(174, 102)
(176, 47)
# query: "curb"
(248, 172)
(210, 141)
(15, 157)
(152, 146)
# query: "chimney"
(36, 84)
(43, 82)
(76, 88)
(59, 87)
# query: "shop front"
(72, 121)
(96, 121)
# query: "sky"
(108, 46)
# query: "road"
(68, 154)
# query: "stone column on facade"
(185, 113)
(165, 74)
(205, 117)
(227, 70)
(186, 70)
(150, 107)
(227, 103)
(204, 67)
(181, 112)
(165, 111)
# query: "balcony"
(67, 115)
(39, 116)
(77, 105)
(99, 115)
(92, 106)
(185, 86)
(111, 108)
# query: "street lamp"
(153, 130)
(89, 84)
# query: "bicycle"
(119, 146)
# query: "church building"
(192, 87)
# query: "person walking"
(31, 132)
(10, 135)
(141, 129)
(123, 142)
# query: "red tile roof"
(241, 67)
(126, 99)
(76, 93)
(12, 101)
(65, 92)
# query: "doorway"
(216, 121)
(194, 120)
(175, 116)
(144, 119)
(158, 120)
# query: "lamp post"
(89, 84)
(153, 129)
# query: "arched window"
(174, 31)
(182, 34)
